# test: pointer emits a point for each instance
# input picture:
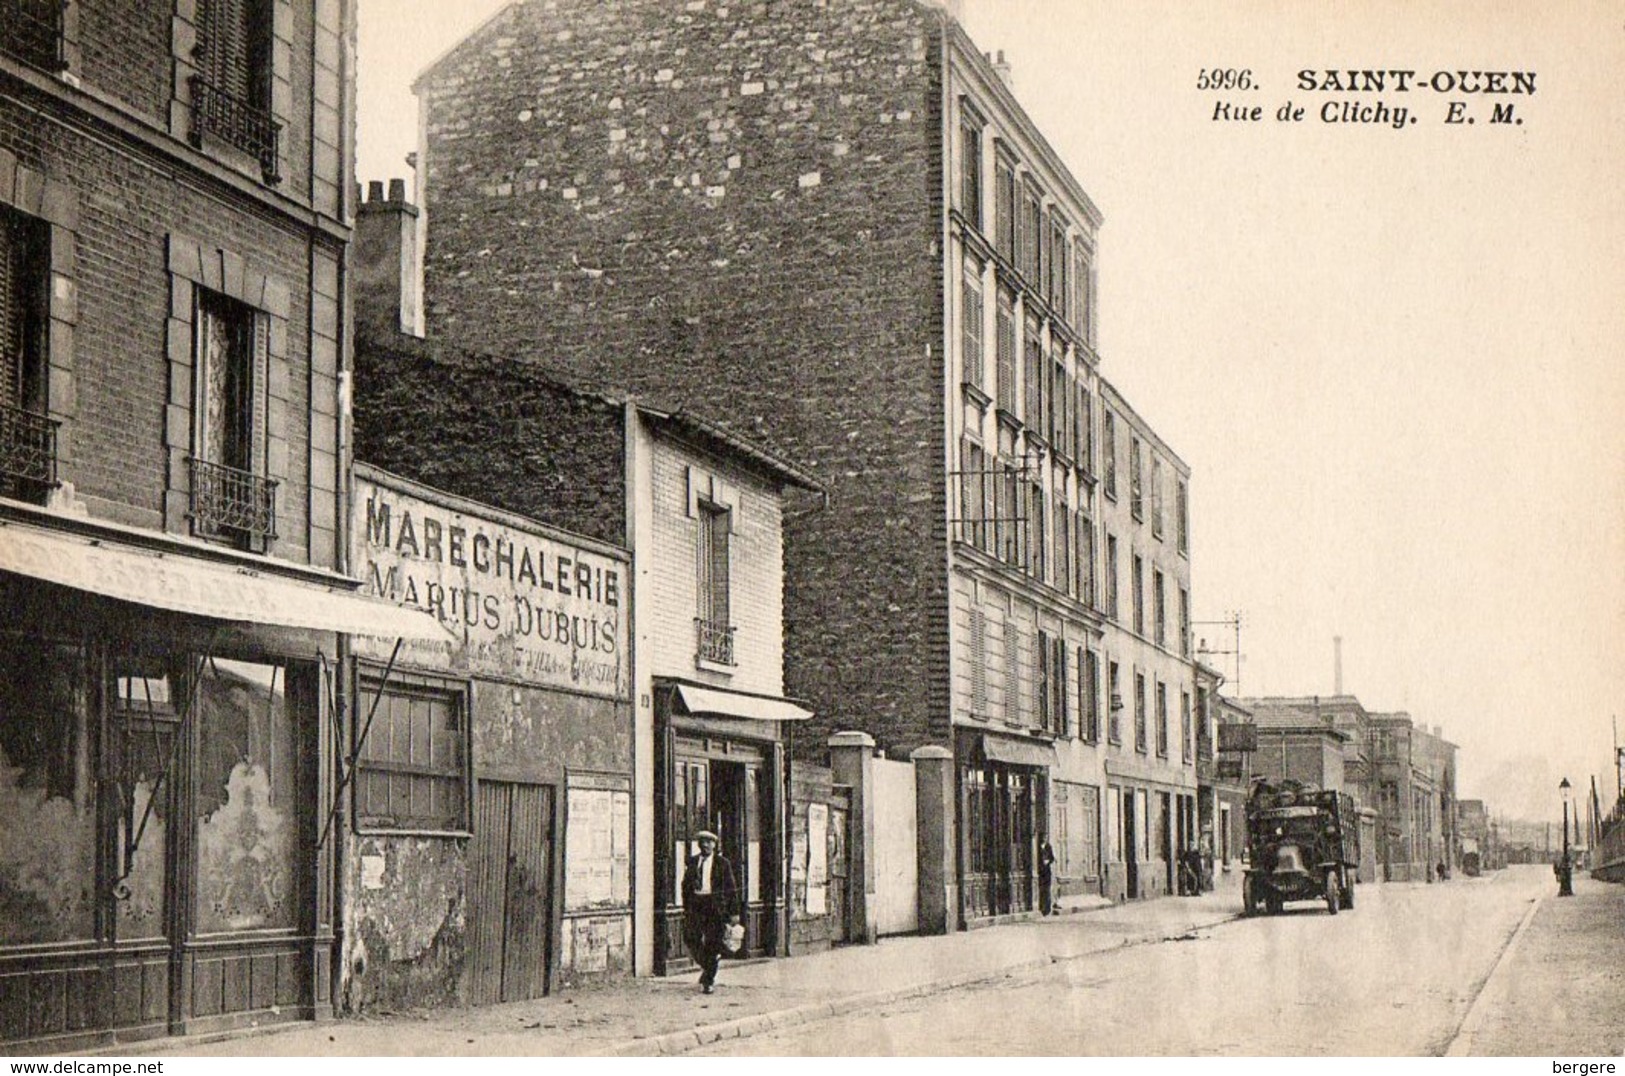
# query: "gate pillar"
(934, 815)
(852, 763)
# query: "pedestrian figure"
(1046, 879)
(710, 906)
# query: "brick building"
(702, 740)
(837, 223)
(173, 221)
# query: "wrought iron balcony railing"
(27, 450)
(33, 32)
(236, 122)
(228, 503)
(716, 642)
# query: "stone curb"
(744, 1027)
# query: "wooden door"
(510, 892)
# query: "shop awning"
(189, 584)
(711, 700)
(1018, 752)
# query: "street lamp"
(1565, 866)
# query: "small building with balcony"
(699, 512)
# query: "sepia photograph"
(811, 528)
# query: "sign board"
(1228, 769)
(527, 603)
(1238, 737)
(597, 849)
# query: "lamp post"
(1565, 866)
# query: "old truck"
(1303, 844)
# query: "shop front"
(722, 765)
(1004, 801)
(163, 771)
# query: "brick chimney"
(385, 278)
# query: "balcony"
(237, 122)
(716, 642)
(228, 503)
(27, 453)
(33, 32)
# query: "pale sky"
(1390, 357)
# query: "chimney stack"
(1002, 66)
(387, 286)
(1337, 665)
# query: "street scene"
(810, 527)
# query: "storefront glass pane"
(247, 808)
(47, 795)
(143, 733)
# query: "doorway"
(1131, 845)
(510, 892)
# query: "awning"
(711, 700)
(1018, 752)
(189, 584)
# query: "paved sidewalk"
(1559, 989)
(654, 1016)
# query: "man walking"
(710, 905)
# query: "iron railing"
(716, 642)
(227, 502)
(33, 32)
(27, 449)
(240, 123)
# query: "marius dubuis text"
(1462, 95)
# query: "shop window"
(231, 93)
(27, 435)
(412, 767)
(251, 804)
(145, 719)
(47, 795)
(691, 812)
(231, 499)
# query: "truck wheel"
(1334, 891)
(1249, 897)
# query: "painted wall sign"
(527, 605)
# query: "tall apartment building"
(173, 221)
(836, 225)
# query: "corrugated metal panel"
(529, 893)
(488, 868)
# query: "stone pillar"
(935, 838)
(852, 763)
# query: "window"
(1137, 581)
(1030, 236)
(1086, 561)
(27, 435)
(970, 316)
(1162, 719)
(1182, 510)
(1156, 497)
(1062, 525)
(49, 788)
(1006, 343)
(231, 498)
(1060, 259)
(1032, 406)
(1088, 695)
(970, 166)
(1112, 609)
(1082, 279)
(1159, 607)
(1004, 208)
(1051, 682)
(1184, 622)
(716, 632)
(412, 767)
(1083, 418)
(1036, 539)
(1108, 446)
(1140, 741)
(1136, 501)
(33, 32)
(1059, 417)
(972, 498)
(231, 93)
(1185, 725)
(1114, 704)
(978, 663)
(1008, 522)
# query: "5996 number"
(1224, 78)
